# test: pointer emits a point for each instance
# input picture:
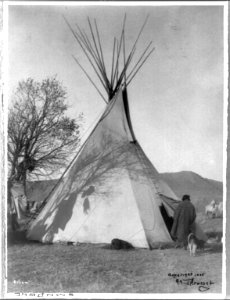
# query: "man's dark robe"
(184, 217)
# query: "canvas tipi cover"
(111, 190)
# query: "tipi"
(111, 189)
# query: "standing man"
(184, 217)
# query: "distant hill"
(201, 190)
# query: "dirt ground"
(88, 268)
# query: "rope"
(131, 236)
(86, 219)
(96, 206)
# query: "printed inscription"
(192, 279)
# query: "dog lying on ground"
(118, 244)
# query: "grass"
(88, 268)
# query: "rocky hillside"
(201, 190)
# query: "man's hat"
(186, 197)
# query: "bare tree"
(41, 137)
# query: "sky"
(176, 100)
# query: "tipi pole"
(124, 56)
(114, 45)
(90, 79)
(140, 66)
(90, 48)
(141, 57)
(103, 71)
(101, 53)
(85, 52)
